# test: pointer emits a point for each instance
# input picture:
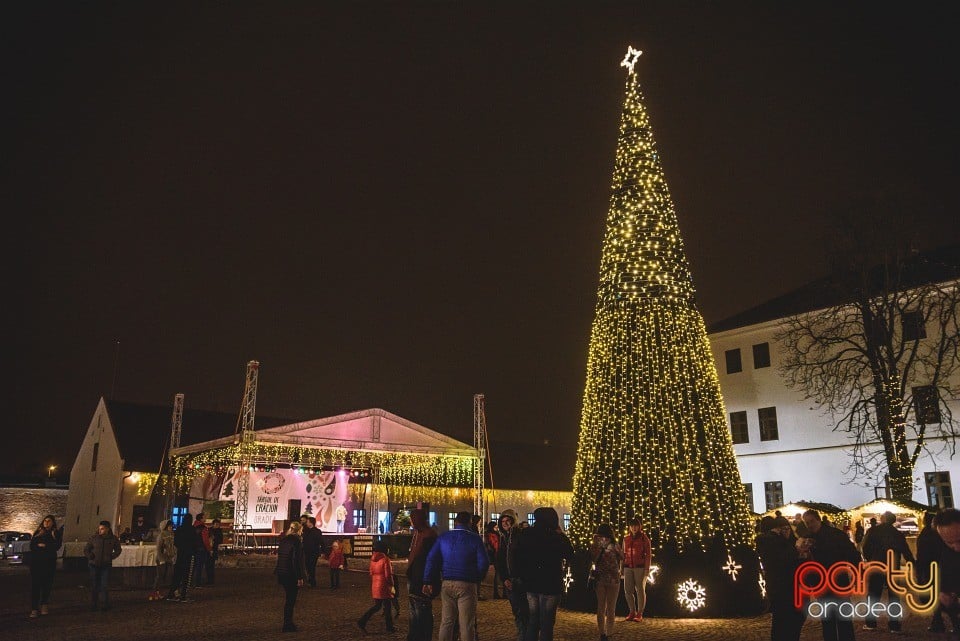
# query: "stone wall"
(22, 509)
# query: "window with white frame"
(768, 424)
(939, 489)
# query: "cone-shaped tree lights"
(654, 441)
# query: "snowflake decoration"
(652, 574)
(732, 567)
(763, 586)
(630, 60)
(567, 580)
(691, 595)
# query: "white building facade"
(787, 448)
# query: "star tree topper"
(631, 58)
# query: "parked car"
(5, 537)
(15, 545)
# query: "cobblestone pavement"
(246, 603)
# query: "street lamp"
(51, 470)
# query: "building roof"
(370, 430)
(143, 431)
(935, 266)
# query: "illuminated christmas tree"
(654, 442)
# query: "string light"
(393, 467)
(731, 567)
(654, 442)
(691, 595)
(652, 574)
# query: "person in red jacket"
(381, 588)
(636, 567)
(337, 563)
(202, 551)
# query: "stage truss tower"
(248, 411)
(480, 443)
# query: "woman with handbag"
(605, 575)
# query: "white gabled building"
(120, 457)
(786, 447)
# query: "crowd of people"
(529, 562)
(529, 565)
(783, 546)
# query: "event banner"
(269, 494)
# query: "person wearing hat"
(512, 591)
(636, 566)
(606, 556)
(102, 548)
(780, 561)
(537, 561)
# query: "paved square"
(246, 604)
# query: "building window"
(913, 326)
(768, 424)
(451, 517)
(530, 518)
(495, 517)
(939, 491)
(761, 355)
(433, 519)
(178, 514)
(738, 427)
(360, 518)
(926, 405)
(733, 361)
(748, 490)
(96, 452)
(566, 521)
(773, 491)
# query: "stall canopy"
(909, 513)
(391, 449)
(836, 514)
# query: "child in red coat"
(381, 588)
(337, 563)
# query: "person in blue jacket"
(460, 558)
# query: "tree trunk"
(893, 430)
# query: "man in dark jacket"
(929, 549)
(947, 523)
(780, 561)
(201, 552)
(312, 544)
(102, 548)
(216, 540)
(291, 571)
(421, 609)
(511, 590)
(876, 542)
(828, 545)
(185, 540)
(461, 558)
(538, 563)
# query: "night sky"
(403, 205)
